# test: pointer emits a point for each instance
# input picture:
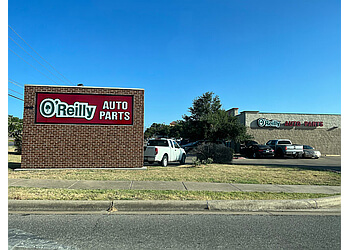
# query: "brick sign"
(58, 108)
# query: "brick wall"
(78, 145)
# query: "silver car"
(310, 152)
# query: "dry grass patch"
(14, 160)
(22, 193)
(218, 173)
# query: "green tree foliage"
(223, 126)
(195, 125)
(208, 121)
(203, 106)
(15, 127)
(163, 130)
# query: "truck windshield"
(160, 143)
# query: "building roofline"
(258, 112)
(92, 87)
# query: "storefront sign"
(262, 122)
(305, 124)
(61, 108)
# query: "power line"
(16, 92)
(14, 82)
(32, 66)
(34, 58)
(16, 97)
(40, 55)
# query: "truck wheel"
(183, 159)
(164, 161)
(280, 153)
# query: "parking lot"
(325, 162)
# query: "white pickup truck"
(164, 151)
(284, 147)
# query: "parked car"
(310, 152)
(245, 145)
(192, 145)
(284, 147)
(164, 151)
(258, 151)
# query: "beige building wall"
(324, 132)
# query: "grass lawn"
(14, 160)
(219, 173)
(24, 193)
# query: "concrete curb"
(275, 205)
(156, 205)
(57, 205)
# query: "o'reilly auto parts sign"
(58, 108)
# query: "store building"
(322, 131)
(82, 127)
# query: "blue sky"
(271, 56)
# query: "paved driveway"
(325, 162)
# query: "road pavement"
(174, 231)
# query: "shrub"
(197, 162)
(15, 127)
(216, 153)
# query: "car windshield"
(252, 143)
(160, 143)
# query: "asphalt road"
(171, 231)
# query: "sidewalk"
(134, 205)
(173, 185)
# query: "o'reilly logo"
(55, 107)
(263, 122)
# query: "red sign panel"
(58, 108)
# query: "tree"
(208, 121)
(203, 106)
(15, 127)
(196, 126)
(226, 127)
(163, 130)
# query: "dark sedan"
(257, 151)
(190, 146)
(245, 145)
